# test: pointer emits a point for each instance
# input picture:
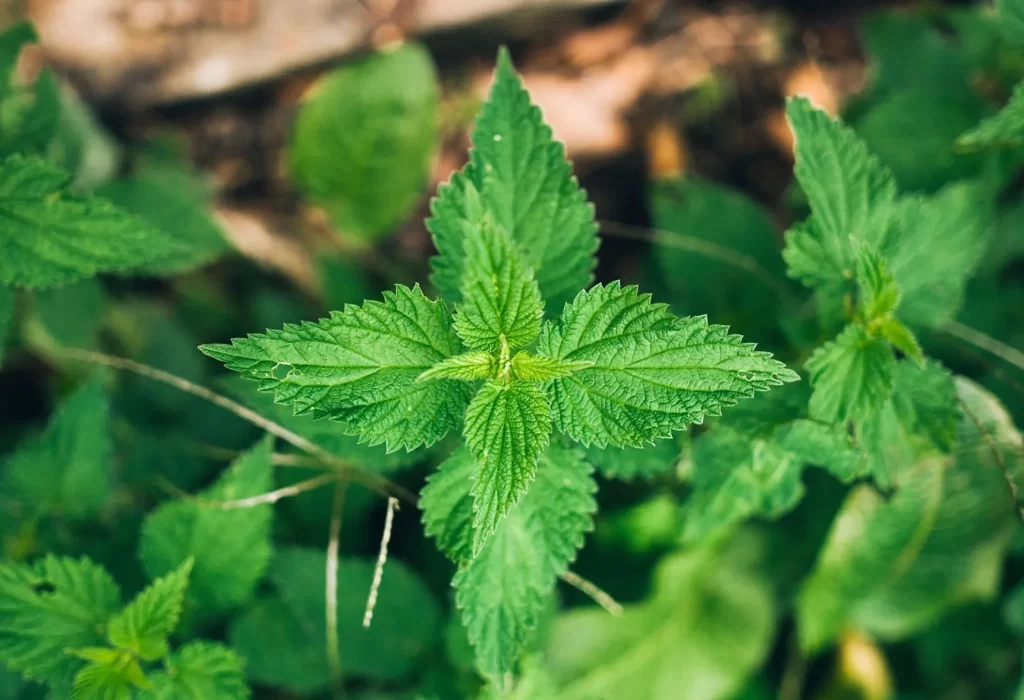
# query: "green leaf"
(7, 300)
(201, 671)
(652, 373)
(106, 681)
(919, 418)
(66, 469)
(822, 445)
(526, 182)
(363, 142)
(938, 541)
(707, 628)
(282, 637)
(53, 237)
(504, 590)
(902, 339)
(1004, 129)
(230, 549)
(145, 624)
(360, 366)
(735, 478)
(71, 316)
(879, 293)
(447, 505)
(941, 241)
(165, 192)
(332, 436)
(721, 227)
(468, 367)
(845, 186)
(29, 105)
(914, 130)
(536, 368)
(852, 376)
(501, 306)
(55, 604)
(507, 428)
(645, 462)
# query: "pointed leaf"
(500, 298)
(201, 671)
(531, 192)
(468, 367)
(145, 624)
(507, 428)
(1003, 129)
(56, 604)
(651, 373)
(851, 376)
(845, 185)
(503, 591)
(30, 105)
(230, 549)
(51, 237)
(536, 368)
(360, 365)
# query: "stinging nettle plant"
(525, 353)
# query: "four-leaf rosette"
(612, 369)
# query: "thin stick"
(278, 459)
(275, 495)
(333, 541)
(382, 558)
(591, 590)
(1010, 481)
(372, 481)
(987, 343)
(709, 249)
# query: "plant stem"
(331, 593)
(591, 590)
(985, 342)
(275, 495)
(382, 558)
(374, 482)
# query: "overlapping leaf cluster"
(513, 231)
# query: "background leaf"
(364, 140)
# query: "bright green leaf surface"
(1005, 128)
(363, 142)
(507, 428)
(500, 298)
(652, 373)
(535, 368)
(282, 637)
(467, 367)
(229, 549)
(53, 605)
(735, 478)
(707, 627)
(145, 624)
(851, 375)
(845, 186)
(503, 591)
(51, 237)
(66, 469)
(525, 180)
(201, 671)
(360, 366)
(941, 241)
